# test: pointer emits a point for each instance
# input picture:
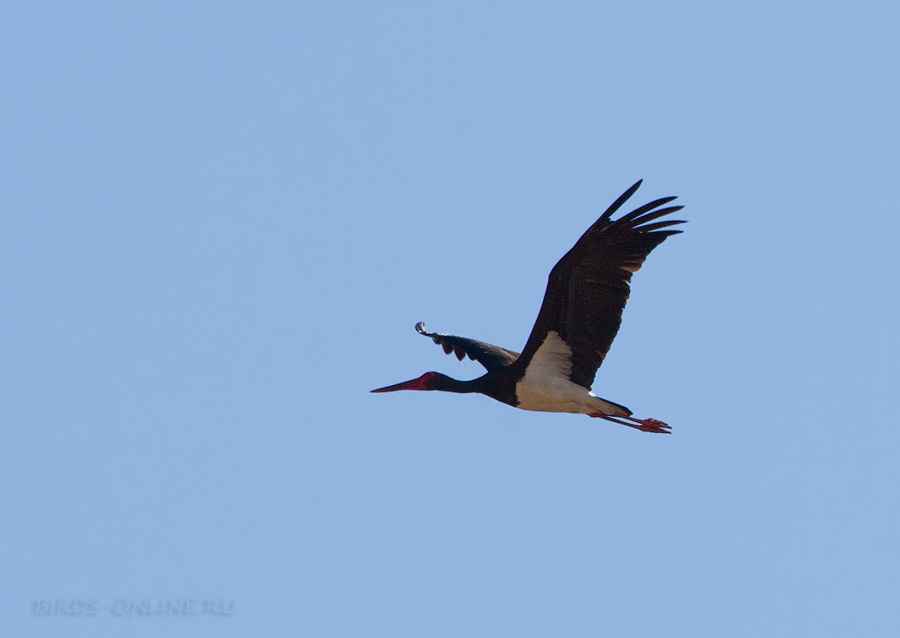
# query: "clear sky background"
(220, 222)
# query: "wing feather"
(490, 356)
(588, 288)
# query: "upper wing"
(588, 288)
(491, 357)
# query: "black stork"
(575, 327)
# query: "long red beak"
(414, 384)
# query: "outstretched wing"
(588, 288)
(491, 357)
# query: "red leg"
(644, 425)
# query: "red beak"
(414, 384)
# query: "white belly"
(546, 386)
(566, 397)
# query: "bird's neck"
(449, 384)
(496, 386)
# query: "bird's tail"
(614, 409)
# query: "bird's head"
(428, 381)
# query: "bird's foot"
(644, 425)
(653, 425)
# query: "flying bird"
(580, 316)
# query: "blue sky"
(222, 220)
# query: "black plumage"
(491, 357)
(588, 288)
